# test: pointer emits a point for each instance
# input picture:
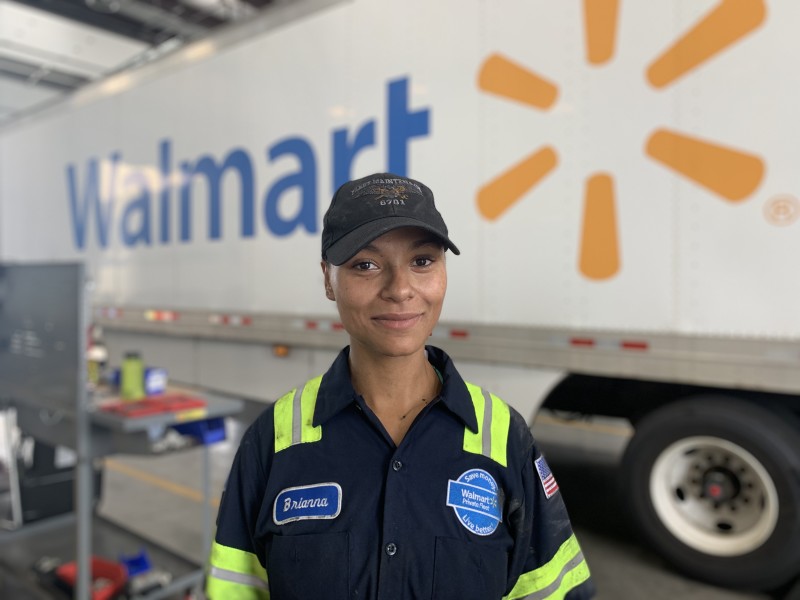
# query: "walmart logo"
(731, 174)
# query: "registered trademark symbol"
(782, 210)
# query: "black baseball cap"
(364, 209)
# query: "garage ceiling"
(48, 48)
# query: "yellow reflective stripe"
(494, 420)
(234, 577)
(294, 414)
(559, 589)
(218, 589)
(565, 571)
(227, 590)
(282, 419)
(571, 580)
(473, 442)
(309, 433)
(236, 561)
(501, 421)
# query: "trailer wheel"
(714, 485)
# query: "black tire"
(793, 591)
(684, 455)
(790, 591)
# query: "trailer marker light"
(634, 345)
(280, 350)
(161, 315)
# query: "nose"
(398, 285)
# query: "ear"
(326, 272)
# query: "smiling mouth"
(398, 321)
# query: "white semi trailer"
(622, 179)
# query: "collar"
(336, 389)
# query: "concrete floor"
(158, 498)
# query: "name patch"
(475, 498)
(318, 501)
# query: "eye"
(364, 265)
(423, 261)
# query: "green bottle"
(131, 378)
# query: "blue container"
(136, 564)
(207, 431)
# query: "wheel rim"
(714, 496)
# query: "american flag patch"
(546, 476)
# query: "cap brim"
(347, 246)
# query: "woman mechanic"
(390, 477)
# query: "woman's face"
(390, 294)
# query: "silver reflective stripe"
(546, 592)
(235, 577)
(297, 416)
(486, 428)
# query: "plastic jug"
(131, 378)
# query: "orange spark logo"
(729, 173)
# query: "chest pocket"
(468, 571)
(309, 567)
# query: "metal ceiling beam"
(36, 75)
(169, 15)
(259, 4)
(186, 12)
(77, 10)
(149, 21)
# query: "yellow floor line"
(164, 484)
(598, 427)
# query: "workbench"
(111, 433)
